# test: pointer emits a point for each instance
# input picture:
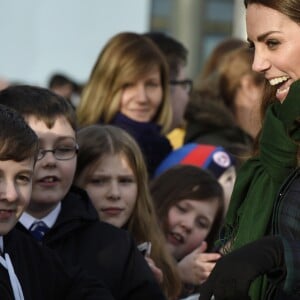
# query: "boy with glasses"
(28, 271)
(61, 216)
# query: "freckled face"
(141, 99)
(276, 42)
(189, 223)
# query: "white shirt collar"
(27, 220)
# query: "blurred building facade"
(198, 24)
(43, 37)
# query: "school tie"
(16, 286)
(38, 230)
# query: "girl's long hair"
(95, 142)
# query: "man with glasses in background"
(180, 86)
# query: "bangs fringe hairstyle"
(125, 58)
(95, 142)
(18, 141)
(187, 182)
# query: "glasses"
(186, 84)
(61, 153)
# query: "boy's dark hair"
(173, 50)
(59, 80)
(38, 102)
(17, 140)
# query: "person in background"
(228, 116)
(66, 87)
(62, 217)
(4, 83)
(189, 204)
(129, 87)
(212, 158)
(262, 223)
(111, 169)
(208, 118)
(241, 89)
(27, 270)
(216, 56)
(180, 85)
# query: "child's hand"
(158, 274)
(197, 266)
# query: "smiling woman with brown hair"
(262, 223)
(129, 87)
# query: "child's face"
(52, 177)
(141, 99)
(15, 191)
(189, 222)
(112, 188)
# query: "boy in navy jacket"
(74, 230)
(27, 270)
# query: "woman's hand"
(234, 273)
(197, 266)
(158, 274)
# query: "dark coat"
(103, 250)
(285, 222)
(42, 274)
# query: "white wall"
(239, 24)
(39, 37)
